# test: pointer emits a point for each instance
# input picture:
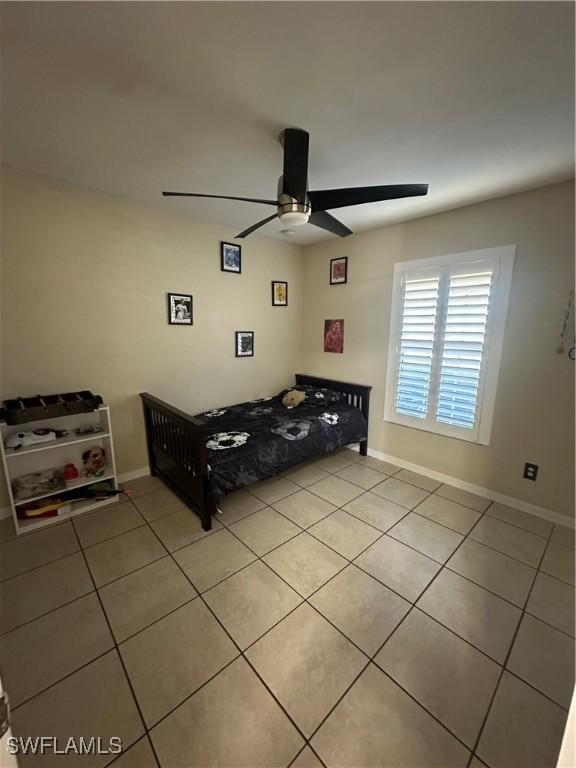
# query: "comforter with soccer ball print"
(255, 440)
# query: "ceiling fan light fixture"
(294, 218)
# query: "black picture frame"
(239, 337)
(340, 260)
(230, 257)
(276, 303)
(180, 309)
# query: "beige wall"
(534, 416)
(85, 277)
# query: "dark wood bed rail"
(176, 443)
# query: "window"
(446, 334)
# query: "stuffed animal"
(292, 398)
(94, 461)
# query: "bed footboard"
(177, 454)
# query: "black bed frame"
(177, 451)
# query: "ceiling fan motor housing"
(290, 210)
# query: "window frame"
(503, 259)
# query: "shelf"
(58, 443)
(79, 483)
(78, 508)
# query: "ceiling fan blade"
(221, 197)
(255, 226)
(327, 199)
(326, 221)
(295, 172)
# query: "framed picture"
(179, 309)
(244, 344)
(333, 335)
(230, 257)
(279, 293)
(339, 270)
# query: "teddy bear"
(292, 398)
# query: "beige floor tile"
(475, 763)
(305, 563)
(344, 533)
(143, 485)
(304, 508)
(181, 528)
(250, 602)
(336, 490)
(496, 572)
(377, 725)
(231, 721)
(238, 505)
(520, 519)
(426, 536)
(510, 540)
(172, 658)
(455, 516)
(349, 453)
(135, 601)
(273, 490)
(44, 651)
(305, 476)
(376, 511)
(559, 562)
(404, 494)
(449, 677)
(34, 549)
(139, 755)
(334, 462)
(522, 729)
(384, 467)
(398, 567)
(563, 535)
(123, 554)
(208, 561)
(464, 607)
(306, 759)
(307, 664)
(265, 530)
(107, 522)
(465, 498)
(158, 504)
(39, 591)
(420, 481)
(363, 476)
(553, 602)
(361, 607)
(95, 701)
(544, 657)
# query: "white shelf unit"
(56, 454)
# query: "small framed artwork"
(333, 335)
(339, 270)
(230, 257)
(279, 293)
(244, 344)
(179, 309)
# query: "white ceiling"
(135, 97)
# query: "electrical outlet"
(530, 471)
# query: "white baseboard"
(124, 478)
(501, 498)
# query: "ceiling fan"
(297, 205)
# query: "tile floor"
(349, 614)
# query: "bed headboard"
(357, 395)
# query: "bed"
(203, 457)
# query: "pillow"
(317, 395)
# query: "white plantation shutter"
(446, 338)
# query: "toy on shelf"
(37, 483)
(88, 429)
(71, 473)
(34, 437)
(94, 461)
